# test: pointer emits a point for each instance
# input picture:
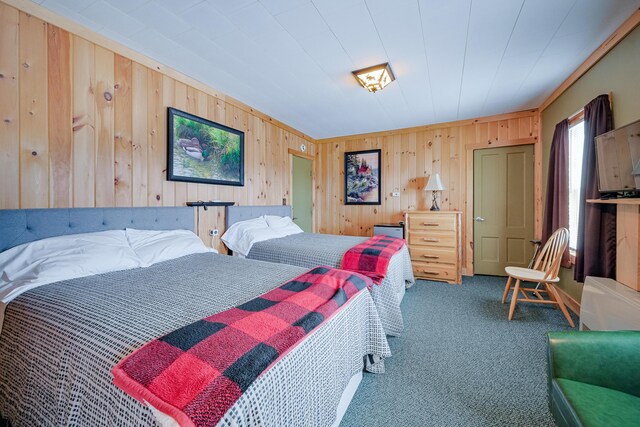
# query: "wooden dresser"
(435, 243)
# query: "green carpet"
(460, 362)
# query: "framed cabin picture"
(203, 151)
(362, 177)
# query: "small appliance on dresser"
(393, 230)
(435, 244)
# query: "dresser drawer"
(432, 222)
(434, 254)
(433, 271)
(432, 238)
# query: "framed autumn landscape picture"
(362, 180)
(203, 151)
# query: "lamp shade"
(434, 183)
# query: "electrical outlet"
(395, 194)
(214, 232)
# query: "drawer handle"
(431, 224)
(431, 240)
(431, 256)
(434, 273)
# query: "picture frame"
(203, 151)
(363, 177)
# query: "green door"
(503, 208)
(302, 190)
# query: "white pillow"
(276, 222)
(283, 225)
(289, 229)
(63, 257)
(241, 236)
(153, 246)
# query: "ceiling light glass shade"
(434, 183)
(375, 78)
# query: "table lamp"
(434, 185)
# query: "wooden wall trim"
(479, 120)
(538, 178)
(299, 153)
(502, 143)
(468, 210)
(45, 14)
(569, 301)
(618, 35)
(314, 183)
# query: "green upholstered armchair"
(594, 378)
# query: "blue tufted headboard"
(243, 213)
(26, 225)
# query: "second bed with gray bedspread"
(310, 250)
(60, 341)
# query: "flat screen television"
(618, 160)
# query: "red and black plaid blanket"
(371, 258)
(196, 373)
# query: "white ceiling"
(292, 59)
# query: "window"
(576, 147)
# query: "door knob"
(479, 219)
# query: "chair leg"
(538, 294)
(558, 299)
(550, 293)
(506, 289)
(514, 299)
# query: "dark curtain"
(556, 211)
(596, 251)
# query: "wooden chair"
(544, 272)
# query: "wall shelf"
(199, 204)
(627, 201)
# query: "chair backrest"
(551, 254)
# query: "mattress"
(60, 342)
(310, 249)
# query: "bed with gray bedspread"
(311, 249)
(60, 341)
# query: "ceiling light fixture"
(375, 78)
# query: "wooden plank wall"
(409, 156)
(83, 126)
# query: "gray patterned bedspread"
(60, 341)
(311, 249)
